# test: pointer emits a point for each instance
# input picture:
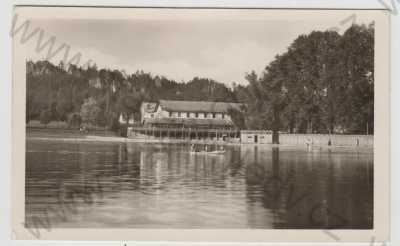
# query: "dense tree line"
(98, 97)
(323, 83)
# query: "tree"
(74, 120)
(129, 103)
(64, 103)
(323, 83)
(90, 111)
(357, 72)
(45, 116)
(238, 118)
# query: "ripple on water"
(163, 186)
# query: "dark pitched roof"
(198, 106)
(188, 122)
(149, 107)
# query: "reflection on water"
(122, 185)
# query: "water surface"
(73, 184)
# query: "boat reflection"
(165, 186)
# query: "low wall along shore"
(323, 139)
(264, 137)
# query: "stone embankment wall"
(263, 137)
(323, 139)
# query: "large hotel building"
(187, 119)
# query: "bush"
(45, 116)
(90, 111)
(34, 123)
(57, 125)
(74, 120)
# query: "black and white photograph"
(200, 119)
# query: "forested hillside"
(98, 96)
(323, 83)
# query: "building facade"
(186, 120)
(125, 119)
(188, 114)
(256, 136)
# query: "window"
(179, 114)
(187, 115)
(197, 115)
(170, 114)
(213, 115)
(223, 116)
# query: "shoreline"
(309, 141)
(91, 138)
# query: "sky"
(223, 50)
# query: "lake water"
(73, 184)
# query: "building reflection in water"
(166, 186)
